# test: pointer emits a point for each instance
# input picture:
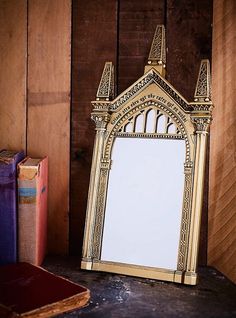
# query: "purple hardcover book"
(8, 205)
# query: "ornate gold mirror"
(146, 186)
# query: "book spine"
(8, 233)
(32, 215)
(42, 210)
(27, 216)
(8, 208)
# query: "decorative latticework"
(203, 86)
(184, 234)
(157, 53)
(100, 213)
(150, 122)
(130, 117)
(106, 86)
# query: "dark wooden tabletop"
(118, 296)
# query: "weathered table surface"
(118, 296)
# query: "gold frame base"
(188, 278)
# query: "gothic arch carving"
(130, 117)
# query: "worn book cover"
(8, 205)
(30, 291)
(32, 214)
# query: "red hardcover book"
(30, 291)
(32, 211)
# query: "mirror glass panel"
(144, 201)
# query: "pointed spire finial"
(157, 54)
(203, 86)
(106, 88)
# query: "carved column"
(201, 123)
(101, 119)
(201, 119)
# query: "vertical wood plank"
(49, 36)
(13, 50)
(94, 43)
(189, 37)
(137, 23)
(222, 193)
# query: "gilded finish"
(157, 54)
(203, 87)
(183, 120)
(106, 87)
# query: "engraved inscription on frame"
(145, 194)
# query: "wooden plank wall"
(122, 31)
(189, 39)
(13, 66)
(222, 193)
(94, 43)
(137, 24)
(115, 30)
(35, 64)
(48, 131)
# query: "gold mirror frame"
(111, 117)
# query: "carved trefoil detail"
(162, 110)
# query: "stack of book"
(23, 208)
